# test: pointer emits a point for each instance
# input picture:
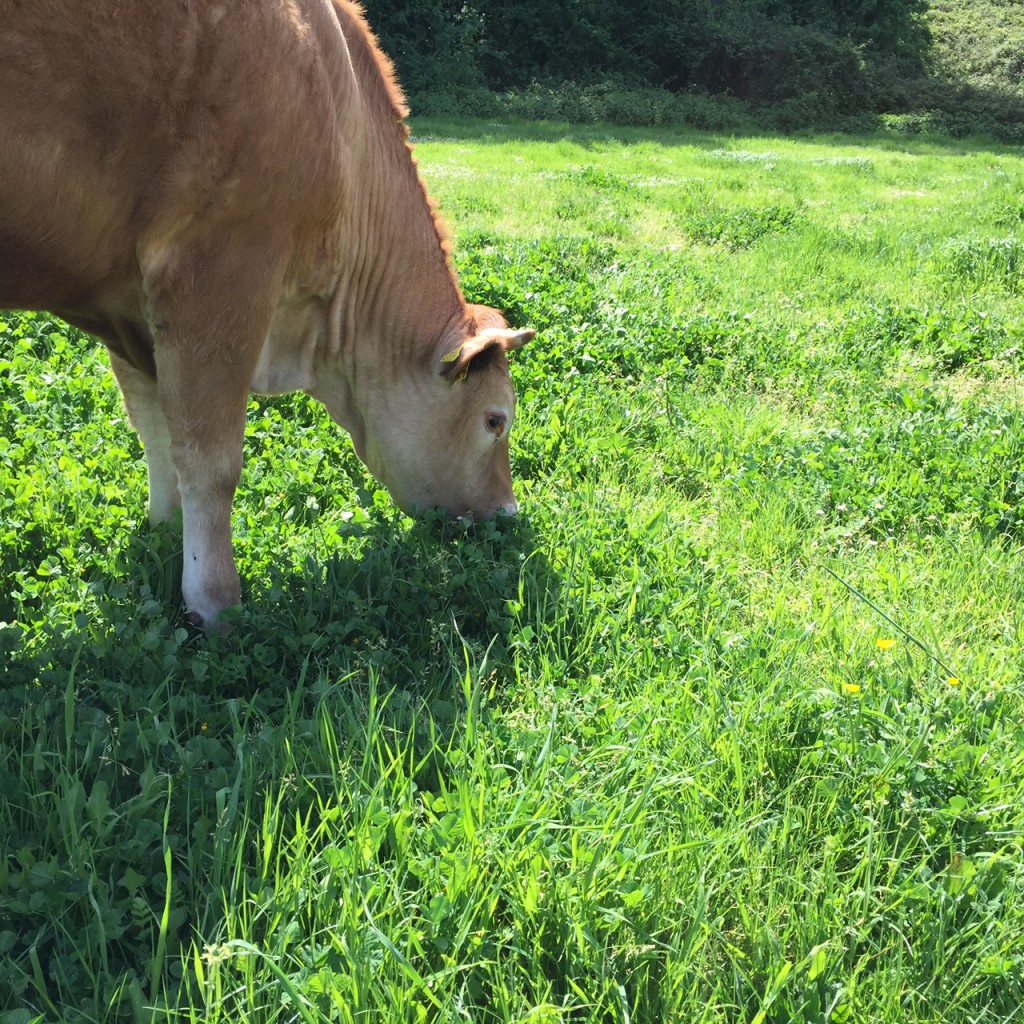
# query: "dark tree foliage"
(434, 43)
(762, 50)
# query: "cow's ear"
(456, 362)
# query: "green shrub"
(618, 104)
(981, 42)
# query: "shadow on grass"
(933, 130)
(502, 131)
(410, 604)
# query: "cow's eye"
(495, 422)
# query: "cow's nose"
(507, 508)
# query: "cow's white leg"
(204, 403)
(209, 579)
(142, 400)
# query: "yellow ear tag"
(462, 376)
(450, 357)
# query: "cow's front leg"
(142, 400)
(204, 403)
(210, 311)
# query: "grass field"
(728, 727)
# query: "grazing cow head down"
(224, 194)
(440, 440)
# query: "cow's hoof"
(199, 625)
(193, 622)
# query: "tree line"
(842, 53)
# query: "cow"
(223, 192)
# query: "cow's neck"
(384, 328)
(396, 275)
(396, 285)
(375, 322)
(393, 294)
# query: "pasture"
(727, 727)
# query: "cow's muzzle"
(508, 508)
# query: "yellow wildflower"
(953, 680)
(884, 645)
(851, 687)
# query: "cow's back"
(126, 128)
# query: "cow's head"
(444, 439)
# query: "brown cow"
(222, 191)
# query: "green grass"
(647, 754)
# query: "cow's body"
(222, 192)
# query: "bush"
(619, 104)
(956, 109)
(981, 42)
(776, 63)
(469, 101)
